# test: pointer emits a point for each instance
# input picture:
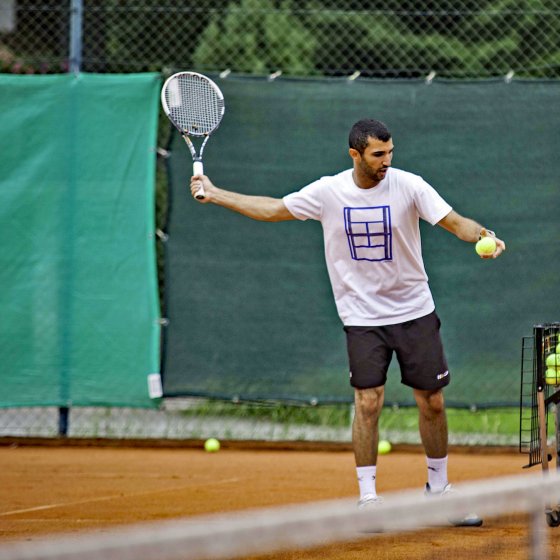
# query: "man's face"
(375, 160)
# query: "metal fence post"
(63, 416)
(76, 17)
(75, 63)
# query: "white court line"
(106, 498)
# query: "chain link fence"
(389, 39)
(198, 419)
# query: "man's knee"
(430, 402)
(369, 402)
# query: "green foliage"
(386, 40)
(257, 38)
(494, 421)
(325, 415)
(130, 34)
(380, 38)
(510, 32)
(390, 39)
(381, 45)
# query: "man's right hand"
(202, 180)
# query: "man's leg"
(433, 432)
(369, 356)
(365, 438)
(432, 422)
(365, 428)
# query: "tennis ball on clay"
(553, 360)
(212, 445)
(552, 376)
(384, 447)
(486, 246)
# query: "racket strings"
(194, 104)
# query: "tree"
(132, 36)
(257, 38)
(408, 38)
(518, 35)
(379, 44)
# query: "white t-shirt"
(372, 243)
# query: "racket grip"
(198, 169)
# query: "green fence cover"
(78, 289)
(250, 306)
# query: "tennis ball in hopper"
(552, 376)
(553, 361)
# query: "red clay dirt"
(46, 490)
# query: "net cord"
(296, 526)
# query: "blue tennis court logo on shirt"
(369, 233)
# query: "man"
(370, 217)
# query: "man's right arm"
(263, 208)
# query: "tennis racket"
(195, 106)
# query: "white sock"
(366, 480)
(437, 473)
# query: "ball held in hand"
(486, 246)
(212, 445)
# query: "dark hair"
(365, 129)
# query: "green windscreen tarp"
(250, 306)
(78, 287)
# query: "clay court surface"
(46, 490)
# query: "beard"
(371, 173)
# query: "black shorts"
(417, 344)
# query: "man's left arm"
(470, 231)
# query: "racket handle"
(198, 169)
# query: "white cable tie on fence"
(274, 75)
(162, 235)
(430, 77)
(163, 152)
(354, 76)
(225, 73)
(509, 77)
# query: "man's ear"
(355, 155)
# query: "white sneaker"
(469, 520)
(370, 501)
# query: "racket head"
(193, 103)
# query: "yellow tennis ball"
(553, 361)
(552, 376)
(212, 445)
(486, 246)
(384, 447)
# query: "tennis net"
(298, 527)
